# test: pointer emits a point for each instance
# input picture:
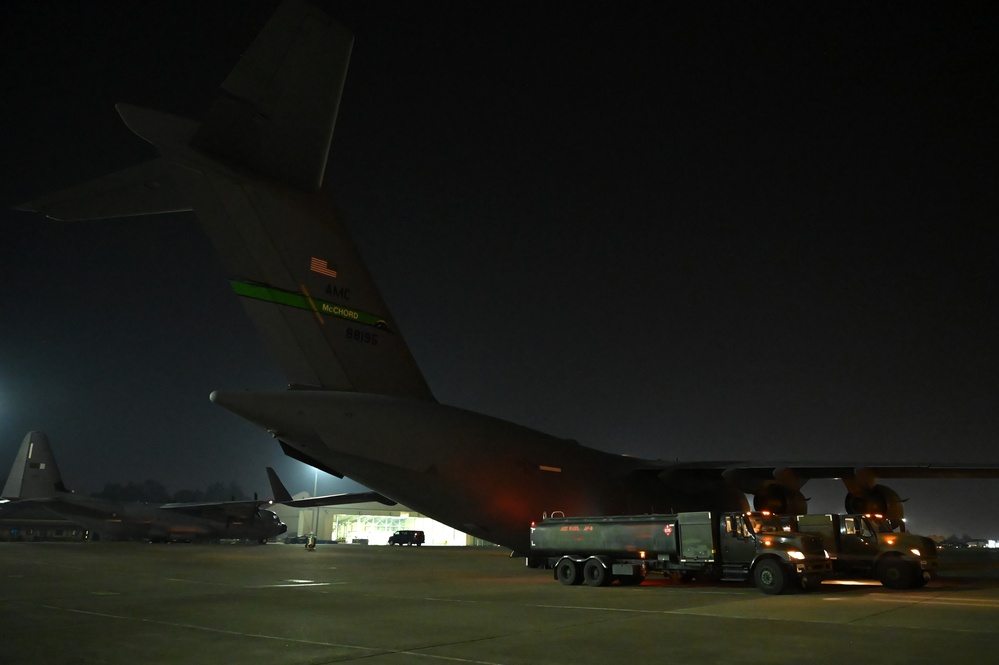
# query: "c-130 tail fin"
(35, 474)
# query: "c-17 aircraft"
(35, 478)
(356, 403)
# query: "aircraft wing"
(71, 506)
(776, 486)
(809, 470)
(220, 510)
(281, 495)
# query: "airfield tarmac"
(110, 603)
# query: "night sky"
(688, 231)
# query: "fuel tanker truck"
(725, 546)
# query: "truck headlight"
(795, 554)
(915, 552)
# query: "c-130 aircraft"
(34, 479)
(357, 404)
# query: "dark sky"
(675, 230)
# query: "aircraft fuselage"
(122, 520)
(485, 476)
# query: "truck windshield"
(880, 525)
(764, 523)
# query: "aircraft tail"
(35, 474)
(252, 173)
(281, 493)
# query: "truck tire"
(770, 577)
(595, 574)
(567, 572)
(895, 573)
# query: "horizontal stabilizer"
(144, 189)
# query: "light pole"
(315, 493)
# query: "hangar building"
(368, 523)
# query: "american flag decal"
(322, 267)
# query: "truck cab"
(753, 544)
(866, 545)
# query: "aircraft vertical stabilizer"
(35, 474)
(252, 173)
(278, 106)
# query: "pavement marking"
(910, 601)
(555, 607)
(293, 585)
(599, 609)
(178, 579)
(171, 624)
(984, 603)
(374, 651)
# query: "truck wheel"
(895, 573)
(567, 572)
(595, 574)
(770, 577)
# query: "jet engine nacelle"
(780, 499)
(879, 499)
